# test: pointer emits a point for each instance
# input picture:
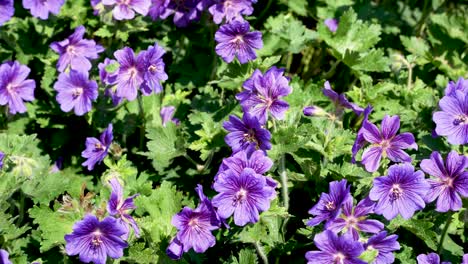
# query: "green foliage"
(246, 256)
(421, 228)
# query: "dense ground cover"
(233, 131)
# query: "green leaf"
(52, 225)
(246, 256)
(421, 228)
(405, 255)
(164, 145)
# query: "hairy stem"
(444, 232)
(261, 252)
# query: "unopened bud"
(314, 111)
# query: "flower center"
(193, 222)
(240, 197)
(76, 92)
(153, 69)
(250, 136)
(448, 182)
(96, 241)
(10, 88)
(238, 41)
(460, 120)
(351, 221)
(338, 258)
(125, 2)
(396, 192)
(71, 50)
(98, 147)
(132, 72)
(330, 205)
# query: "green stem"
(142, 118)
(284, 182)
(261, 252)
(264, 12)
(444, 233)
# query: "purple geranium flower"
(360, 140)
(432, 258)
(185, 11)
(330, 204)
(340, 100)
(401, 192)
(2, 156)
(262, 94)
(235, 39)
(194, 228)
(167, 115)
(7, 10)
(107, 78)
(385, 245)
(332, 24)
(460, 85)
(256, 160)
(154, 70)
(14, 87)
(96, 149)
(230, 10)
(244, 195)
(120, 207)
(354, 219)
(158, 7)
(131, 72)
(41, 8)
(4, 257)
(313, 111)
(76, 52)
(125, 9)
(94, 240)
(246, 134)
(76, 91)
(386, 143)
(451, 182)
(465, 259)
(452, 121)
(335, 249)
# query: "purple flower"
(360, 140)
(451, 181)
(94, 240)
(158, 7)
(154, 70)
(256, 160)
(386, 143)
(340, 100)
(452, 121)
(313, 111)
(246, 134)
(244, 195)
(194, 228)
(431, 258)
(465, 259)
(96, 149)
(76, 91)
(76, 52)
(385, 245)
(235, 39)
(14, 88)
(332, 24)
(41, 8)
(120, 207)
(335, 249)
(131, 72)
(125, 9)
(262, 94)
(230, 10)
(330, 204)
(7, 10)
(57, 166)
(184, 11)
(2, 156)
(4, 257)
(167, 115)
(401, 192)
(460, 85)
(107, 78)
(354, 219)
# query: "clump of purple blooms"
(76, 52)
(97, 149)
(14, 87)
(230, 10)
